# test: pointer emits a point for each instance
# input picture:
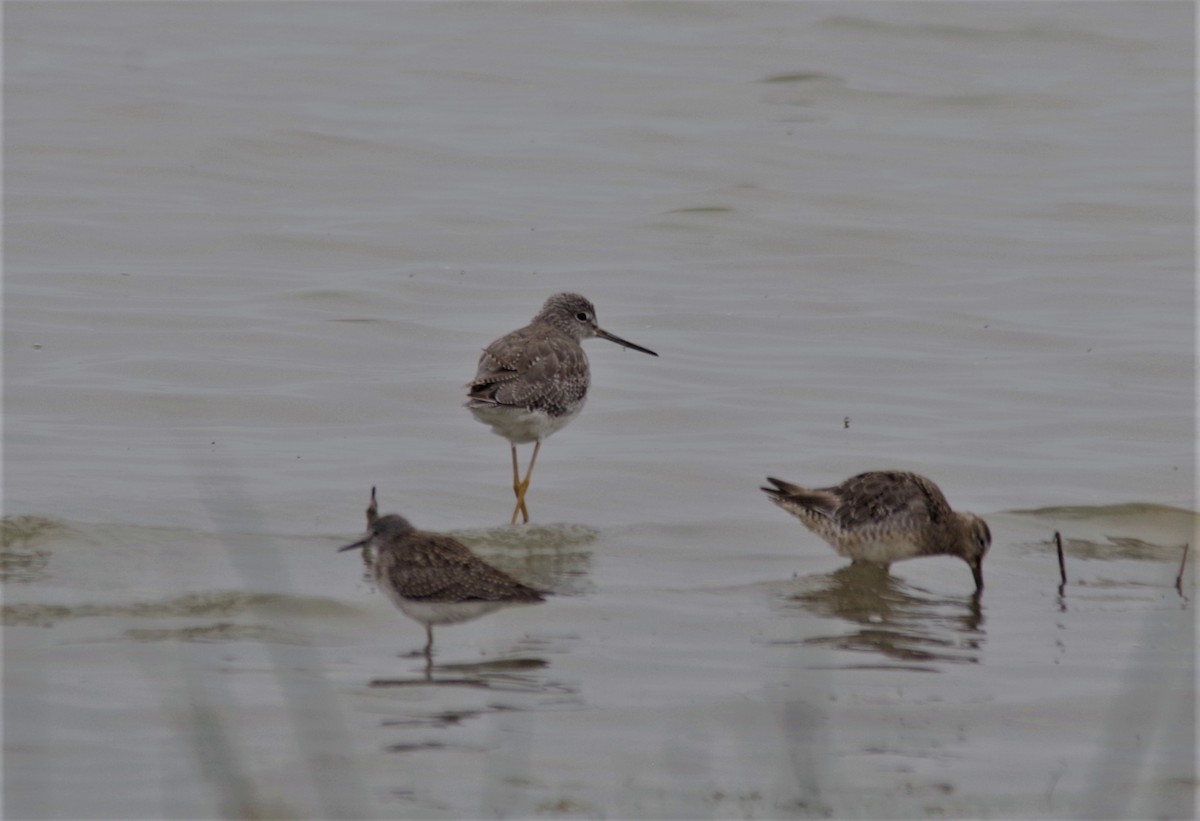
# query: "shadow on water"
(1112, 548)
(509, 674)
(1096, 540)
(505, 685)
(1134, 530)
(221, 604)
(22, 558)
(890, 618)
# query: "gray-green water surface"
(252, 252)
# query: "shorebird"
(882, 517)
(533, 381)
(433, 578)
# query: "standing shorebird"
(433, 578)
(882, 517)
(533, 381)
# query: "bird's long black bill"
(359, 543)
(624, 343)
(977, 572)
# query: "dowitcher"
(882, 517)
(431, 577)
(533, 381)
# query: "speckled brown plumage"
(431, 577)
(431, 567)
(534, 381)
(887, 516)
(537, 367)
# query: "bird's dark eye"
(581, 316)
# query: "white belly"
(521, 425)
(447, 612)
(881, 552)
(436, 612)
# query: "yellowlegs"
(882, 517)
(533, 381)
(433, 578)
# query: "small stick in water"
(1062, 565)
(1182, 562)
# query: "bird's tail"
(815, 499)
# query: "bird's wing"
(440, 568)
(880, 495)
(528, 370)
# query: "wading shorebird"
(433, 578)
(882, 517)
(533, 381)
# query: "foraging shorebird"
(433, 578)
(882, 517)
(533, 381)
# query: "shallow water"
(678, 670)
(252, 252)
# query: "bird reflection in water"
(893, 619)
(509, 674)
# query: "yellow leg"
(517, 487)
(522, 485)
(528, 473)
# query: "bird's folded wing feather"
(530, 371)
(876, 496)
